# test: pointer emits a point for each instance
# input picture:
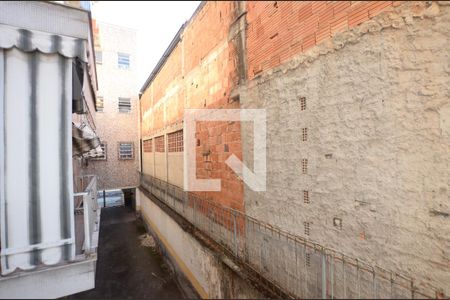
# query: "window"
(99, 57)
(175, 141)
(148, 145)
(159, 144)
(103, 156)
(123, 60)
(126, 151)
(124, 104)
(100, 104)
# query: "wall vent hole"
(308, 259)
(302, 103)
(304, 134)
(306, 197)
(307, 228)
(305, 166)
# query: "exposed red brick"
(301, 20)
(377, 7)
(309, 42)
(305, 11)
(323, 34)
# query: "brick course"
(299, 26)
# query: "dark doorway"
(130, 198)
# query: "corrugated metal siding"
(36, 197)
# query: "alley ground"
(126, 269)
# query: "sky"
(156, 23)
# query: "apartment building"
(118, 112)
(355, 96)
(49, 215)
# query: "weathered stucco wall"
(175, 165)
(377, 144)
(203, 268)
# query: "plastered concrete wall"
(175, 164)
(160, 166)
(148, 163)
(202, 268)
(377, 145)
(112, 126)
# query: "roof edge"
(169, 50)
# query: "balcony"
(65, 277)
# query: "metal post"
(357, 279)
(374, 283)
(104, 198)
(324, 276)
(193, 212)
(332, 276)
(235, 240)
(305, 281)
(86, 212)
(343, 275)
(392, 285)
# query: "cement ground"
(125, 268)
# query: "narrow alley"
(225, 149)
(128, 267)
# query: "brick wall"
(113, 126)
(278, 30)
(200, 72)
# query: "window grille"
(103, 156)
(148, 146)
(100, 104)
(175, 141)
(126, 151)
(99, 57)
(124, 104)
(123, 60)
(159, 144)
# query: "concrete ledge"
(50, 282)
(216, 284)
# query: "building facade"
(356, 96)
(118, 113)
(48, 89)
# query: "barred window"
(124, 104)
(103, 156)
(159, 144)
(175, 141)
(148, 145)
(100, 104)
(126, 151)
(123, 60)
(99, 57)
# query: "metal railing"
(297, 266)
(88, 207)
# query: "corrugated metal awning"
(28, 41)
